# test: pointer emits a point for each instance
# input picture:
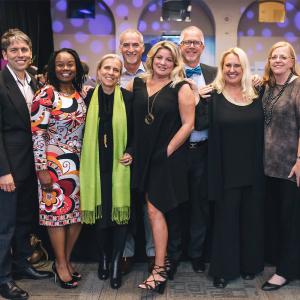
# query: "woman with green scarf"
(105, 165)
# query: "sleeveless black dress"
(163, 178)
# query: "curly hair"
(177, 73)
(79, 78)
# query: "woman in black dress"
(105, 171)
(163, 109)
(235, 169)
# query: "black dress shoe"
(10, 290)
(171, 267)
(220, 283)
(248, 276)
(198, 265)
(31, 273)
(126, 265)
(267, 286)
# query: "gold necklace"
(149, 118)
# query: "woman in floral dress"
(58, 116)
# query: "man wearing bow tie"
(191, 47)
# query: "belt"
(195, 145)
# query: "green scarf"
(90, 187)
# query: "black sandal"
(158, 285)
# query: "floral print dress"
(57, 128)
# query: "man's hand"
(7, 183)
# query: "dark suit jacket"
(201, 113)
(16, 154)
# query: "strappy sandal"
(153, 284)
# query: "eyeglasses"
(280, 57)
(133, 45)
(189, 43)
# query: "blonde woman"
(236, 171)
(163, 119)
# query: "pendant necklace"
(149, 118)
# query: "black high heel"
(158, 285)
(71, 284)
(103, 269)
(76, 276)
(115, 275)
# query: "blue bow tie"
(190, 72)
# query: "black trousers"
(18, 213)
(283, 225)
(238, 234)
(194, 213)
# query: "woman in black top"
(163, 110)
(236, 171)
(111, 122)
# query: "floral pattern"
(57, 128)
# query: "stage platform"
(186, 285)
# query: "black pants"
(18, 212)
(238, 234)
(111, 239)
(194, 213)
(283, 225)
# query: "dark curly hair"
(79, 78)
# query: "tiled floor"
(187, 285)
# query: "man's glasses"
(279, 57)
(189, 43)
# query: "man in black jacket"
(191, 47)
(18, 183)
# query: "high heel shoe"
(157, 285)
(115, 273)
(71, 284)
(103, 269)
(76, 276)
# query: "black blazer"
(16, 153)
(201, 113)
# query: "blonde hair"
(134, 31)
(268, 74)
(177, 73)
(104, 58)
(246, 82)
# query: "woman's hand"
(126, 159)
(205, 91)
(45, 180)
(296, 172)
(85, 90)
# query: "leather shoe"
(31, 273)
(198, 265)
(248, 276)
(267, 286)
(10, 290)
(126, 265)
(220, 283)
(171, 267)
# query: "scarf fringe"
(90, 217)
(121, 215)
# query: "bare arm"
(186, 102)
